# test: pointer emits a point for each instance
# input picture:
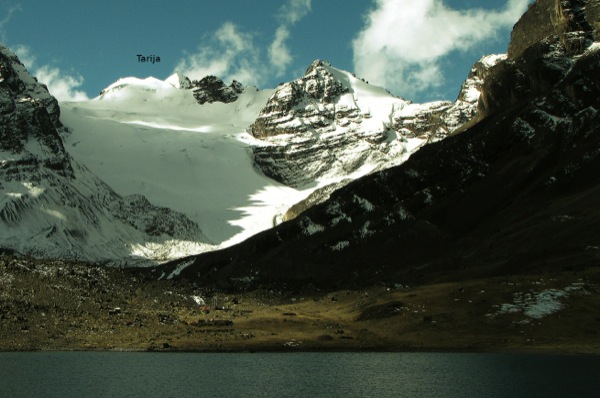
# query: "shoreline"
(550, 351)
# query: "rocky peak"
(16, 82)
(212, 89)
(305, 103)
(545, 43)
(471, 88)
(319, 83)
(574, 21)
(329, 124)
(28, 122)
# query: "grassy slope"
(60, 306)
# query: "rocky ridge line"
(319, 126)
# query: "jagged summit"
(330, 123)
(24, 87)
(212, 89)
(206, 90)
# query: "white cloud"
(229, 54)
(63, 87)
(404, 41)
(289, 14)
(25, 55)
(294, 10)
(279, 52)
(6, 20)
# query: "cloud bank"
(232, 54)
(404, 42)
(62, 86)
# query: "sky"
(421, 50)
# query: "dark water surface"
(111, 374)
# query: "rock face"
(551, 17)
(517, 191)
(544, 44)
(51, 206)
(212, 89)
(20, 87)
(329, 124)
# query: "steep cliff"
(545, 42)
(554, 17)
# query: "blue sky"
(418, 49)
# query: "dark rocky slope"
(514, 193)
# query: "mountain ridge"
(176, 142)
(514, 192)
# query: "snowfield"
(151, 137)
(147, 136)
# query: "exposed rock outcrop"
(544, 44)
(212, 89)
(20, 87)
(329, 124)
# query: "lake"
(120, 374)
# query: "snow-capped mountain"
(53, 206)
(185, 145)
(229, 161)
(330, 124)
(152, 137)
(515, 192)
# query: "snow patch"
(309, 227)
(493, 59)
(334, 209)
(537, 305)
(524, 129)
(179, 268)
(364, 232)
(364, 203)
(341, 245)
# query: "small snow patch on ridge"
(309, 227)
(341, 245)
(334, 209)
(365, 232)
(364, 203)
